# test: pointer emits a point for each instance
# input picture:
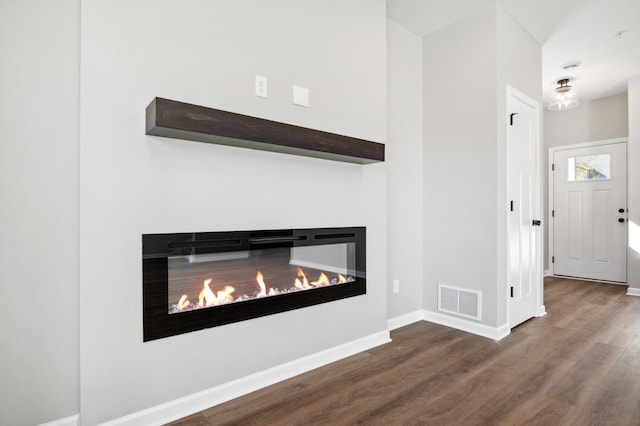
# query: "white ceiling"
(568, 31)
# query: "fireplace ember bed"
(193, 281)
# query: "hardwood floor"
(578, 365)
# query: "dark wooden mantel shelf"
(179, 120)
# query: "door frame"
(550, 190)
(512, 92)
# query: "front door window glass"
(589, 167)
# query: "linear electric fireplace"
(198, 280)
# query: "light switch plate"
(300, 96)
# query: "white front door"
(523, 192)
(589, 212)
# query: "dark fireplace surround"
(241, 253)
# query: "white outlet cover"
(261, 86)
(300, 96)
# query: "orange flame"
(184, 302)
(261, 284)
(224, 295)
(305, 282)
(208, 298)
(322, 280)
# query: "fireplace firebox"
(193, 281)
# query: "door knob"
(536, 222)
(620, 210)
(621, 220)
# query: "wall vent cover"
(458, 301)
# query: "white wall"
(460, 160)
(404, 169)
(467, 66)
(600, 119)
(208, 53)
(633, 170)
(39, 211)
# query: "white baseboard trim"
(185, 406)
(546, 273)
(542, 311)
(67, 421)
(405, 319)
(633, 291)
(495, 333)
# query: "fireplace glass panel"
(198, 281)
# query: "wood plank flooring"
(578, 365)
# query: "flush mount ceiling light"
(564, 97)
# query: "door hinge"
(553, 259)
(511, 205)
(553, 167)
(553, 213)
(511, 291)
(511, 118)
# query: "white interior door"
(589, 212)
(523, 192)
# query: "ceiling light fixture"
(564, 97)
